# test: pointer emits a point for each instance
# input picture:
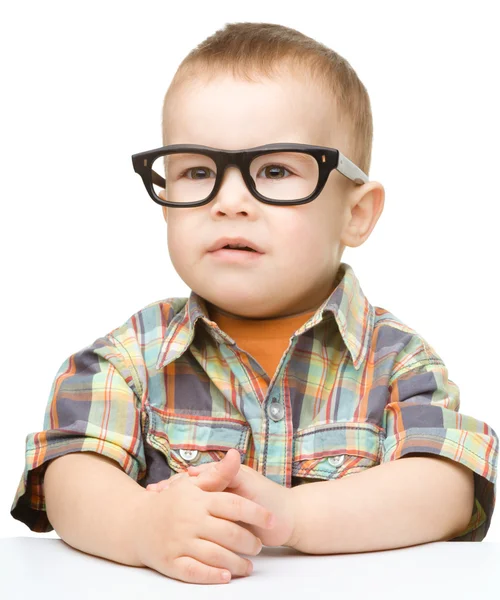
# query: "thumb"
(220, 474)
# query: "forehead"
(232, 113)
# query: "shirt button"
(336, 461)
(189, 455)
(275, 410)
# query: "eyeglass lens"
(277, 176)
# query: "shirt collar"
(347, 303)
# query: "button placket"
(276, 428)
(275, 410)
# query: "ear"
(364, 207)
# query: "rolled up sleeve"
(94, 405)
(422, 416)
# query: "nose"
(233, 173)
(233, 194)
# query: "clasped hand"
(230, 475)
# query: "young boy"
(276, 372)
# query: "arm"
(91, 502)
(396, 504)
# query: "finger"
(210, 481)
(206, 466)
(164, 483)
(157, 487)
(227, 505)
(218, 475)
(173, 480)
(230, 455)
(211, 477)
(233, 536)
(215, 555)
(191, 570)
(195, 470)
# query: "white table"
(45, 568)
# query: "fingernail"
(270, 520)
(249, 568)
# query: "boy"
(274, 404)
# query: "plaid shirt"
(168, 388)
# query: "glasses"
(282, 174)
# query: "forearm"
(405, 502)
(91, 503)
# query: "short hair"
(248, 48)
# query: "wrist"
(140, 507)
(294, 512)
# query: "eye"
(197, 170)
(274, 171)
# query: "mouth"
(245, 249)
(236, 255)
(236, 244)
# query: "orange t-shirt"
(265, 339)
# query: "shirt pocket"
(186, 441)
(335, 450)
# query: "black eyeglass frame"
(328, 159)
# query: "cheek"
(296, 236)
(181, 244)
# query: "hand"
(249, 484)
(193, 535)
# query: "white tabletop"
(44, 568)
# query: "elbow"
(468, 497)
(462, 500)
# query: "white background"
(84, 247)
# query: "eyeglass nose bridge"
(240, 161)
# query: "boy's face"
(302, 244)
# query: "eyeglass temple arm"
(157, 179)
(350, 170)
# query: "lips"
(227, 241)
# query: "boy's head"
(248, 85)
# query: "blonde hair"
(246, 49)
